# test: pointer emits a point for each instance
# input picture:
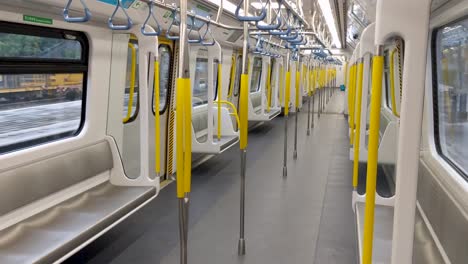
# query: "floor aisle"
(304, 218)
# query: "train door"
(166, 71)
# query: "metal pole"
(286, 117)
(308, 116)
(243, 149)
(183, 72)
(309, 92)
(298, 79)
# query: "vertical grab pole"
(243, 127)
(220, 87)
(376, 97)
(309, 94)
(296, 103)
(358, 125)
(183, 132)
(286, 115)
(157, 119)
(313, 92)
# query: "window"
(232, 74)
(131, 83)
(256, 75)
(388, 100)
(272, 80)
(42, 73)
(450, 55)
(215, 79)
(200, 87)
(238, 75)
(165, 67)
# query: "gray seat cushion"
(256, 99)
(200, 121)
(46, 237)
(24, 185)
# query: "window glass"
(45, 102)
(238, 75)
(200, 88)
(388, 98)
(165, 66)
(131, 83)
(231, 80)
(21, 46)
(215, 79)
(451, 118)
(256, 75)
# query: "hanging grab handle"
(285, 23)
(259, 46)
(111, 24)
(208, 30)
(279, 22)
(85, 18)
(151, 15)
(174, 22)
(192, 26)
(250, 18)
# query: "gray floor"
(305, 218)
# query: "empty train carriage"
(219, 131)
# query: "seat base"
(216, 147)
(50, 235)
(258, 116)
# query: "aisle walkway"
(304, 218)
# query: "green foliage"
(14, 45)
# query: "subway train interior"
(234, 131)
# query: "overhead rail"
(291, 33)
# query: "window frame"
(237, 76)
(435, 98)
(12, 66)
(169, 83)
(260, 76)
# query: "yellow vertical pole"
(180, 103)
(244, 111)
(268, 88)
(287, 93)
(233, 76)
(358, 126)
(187, 136)
(132, 83)
(157, 121)
(392, 82)
(352, 102)
(220, 87)
(297, 84)
(376, 97)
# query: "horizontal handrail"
(245, 17)
(234, 110)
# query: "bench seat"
(50, 235)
